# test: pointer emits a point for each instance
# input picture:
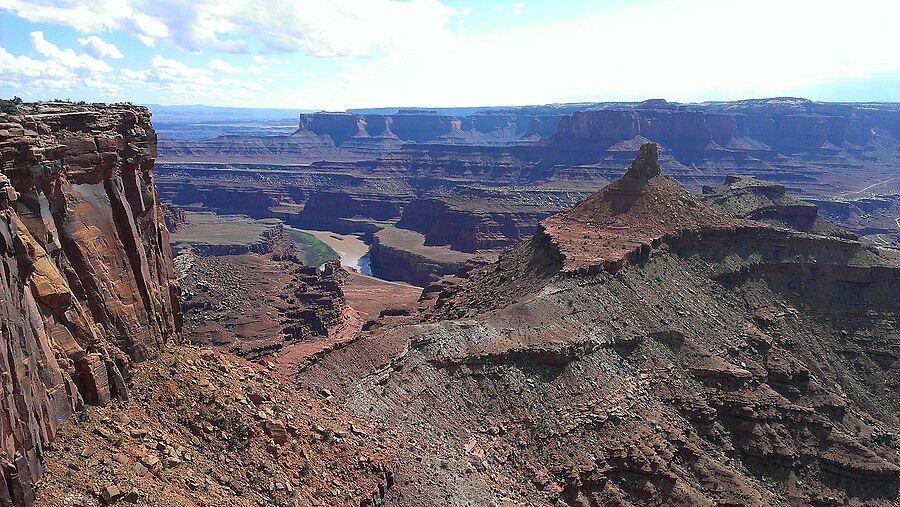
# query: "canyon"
(478, 180)
(568, 313)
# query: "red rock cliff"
(86, 282)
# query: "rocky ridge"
(628, 217)
(693, 358)
(87, 285)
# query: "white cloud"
(59, 70)
(16, 68)
(78, 63)
(223, 66)
(181, 83)
(84, 16)
(270, 60)
(317, 27)
(165, 70)
(99, 48)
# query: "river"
(353, 251)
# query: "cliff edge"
(86, 282)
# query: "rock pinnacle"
(646, 165)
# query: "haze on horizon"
(339, 54)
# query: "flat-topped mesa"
(623, 221)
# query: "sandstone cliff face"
(470, 230)
(393, 262)
(763, 129)
(324, 205)
(86, 283)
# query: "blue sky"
(340, 54)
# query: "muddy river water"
(353, 251)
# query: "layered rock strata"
(643, 348)
(87, 284)
(763, 129)
(401, 254)
(749, 197)
(469, 220)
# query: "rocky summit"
(643, 346)
(628, 217)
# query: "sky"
(340, 54)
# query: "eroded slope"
(734, 363)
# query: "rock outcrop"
(749, 197)
(401, 254)
(210, 234)
(469, 220)
(256, 304)
(627, 218)
(86, 282)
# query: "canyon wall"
(763, 129)
(419, 126)
(707, 131)
(86, 282)
(449, 222)
(397, 255)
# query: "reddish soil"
(370, 296)
(368, 300)
(232, 301)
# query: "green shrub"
(10, 106)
